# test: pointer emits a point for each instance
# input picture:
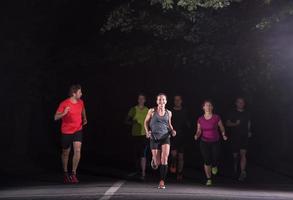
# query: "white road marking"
(111, 191)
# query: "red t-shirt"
(72, 121)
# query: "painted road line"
(111, 191)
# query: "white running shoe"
(162, 185)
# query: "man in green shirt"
(135, 118)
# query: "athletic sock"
(163, 172)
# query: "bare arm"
(84, 118)
(173, 132)
(220, 124)
(147, 121)
(198, 132)
(60, 115)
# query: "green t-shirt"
(138, 116)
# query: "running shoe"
(153, 165)
(162, 185)
(66, 178)
(242, 176)
(74, 179)
(209, 182)
(215, 170)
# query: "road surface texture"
(118, 184)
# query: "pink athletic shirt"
(209, 128)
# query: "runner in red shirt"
(73, 115)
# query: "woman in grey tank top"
(158, 129)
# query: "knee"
(157, 159)
(235, 155)
(143, 158)
(243, 155)
(65, 152)
(77, 151)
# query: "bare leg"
(173, 164)
(165, 154)
(174, 156)
(143, 165)
(156, 154)
(208, 171)
(164, 164)
(243, 160)
(65, 158)
(76, 156)
(180, 163)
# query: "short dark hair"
(207, 101)
(141, 94)
(73, 89)
(240, 97)
(178, 95)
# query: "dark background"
(48, 45)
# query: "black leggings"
(210, 152)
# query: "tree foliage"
(201, 34)
(278, 11)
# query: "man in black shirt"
(239, 123)
(181, 124)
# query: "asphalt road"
(262, 184)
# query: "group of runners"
(165, 132)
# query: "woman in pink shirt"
(208, 131)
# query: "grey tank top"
(160, 125)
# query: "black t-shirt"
(244, 118)
(179, 120)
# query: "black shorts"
(210, 152)
(157, 144)
(68, 139)
(140, 146)
(239, 142)
(178, 143)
